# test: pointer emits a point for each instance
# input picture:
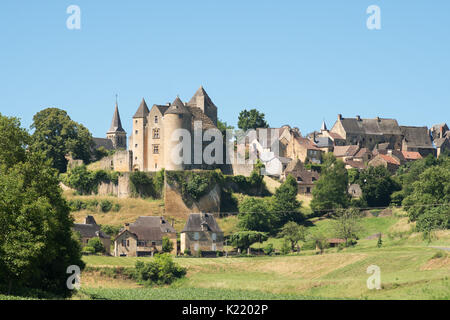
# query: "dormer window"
(156, 119)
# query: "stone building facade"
(144, 237)
(152, 142)
(201, 232)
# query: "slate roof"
(177, 107)
(116, 124)
(294, 165)
(103, 142)
(417, 137)
(308, 144)
(377, 126)
(195, 221)
(440, 141)
(150, 227)
(199, 115)
(335, 136)
(307, 177)
(324, 126)
(142, 111)
(345, 151)
(355, 164)
(201, 93)
(161, 108)
(323, 142)
(90, 229)
(362, 152)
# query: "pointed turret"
(177, 107)
(116, 124)
(142, 111)
(116, 133)
(204, 102)
(324, 126)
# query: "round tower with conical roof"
(176, 118)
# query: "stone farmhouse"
(201, 232)
(89, 230)
(144, 237)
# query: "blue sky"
(299, 62)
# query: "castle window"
(136, 132)
(135, 145)
(196, 236)
(156, 165)
(155, 133)
(156, 119)
(156, 148)
(214, 237)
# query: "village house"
(305, 178)
(201, 233)
(144, 237)
(417, 139)
(345, 152)
(89, 230)
(386, 160)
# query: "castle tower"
(204, 102)
(138, 137)
(176, 117)
(116, 134)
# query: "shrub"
(88, 250)
(142, 184)
(187, 252)
(268, 249)
(116, 207)
(161, 270)
(438, 255)
(285, 248)
(105, 205)
(110, 230)
(167, 245)
(96, 244)
(92, 204)
(76, 205)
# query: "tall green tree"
(255, 214)
(432, 189)
(347, 224)
(244, 239)
(285, 205)
(294, 233)
(251, 119)
(36, 241)
(330, 191)
(57, 135)
(377, 186)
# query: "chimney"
(173, 222)
(127, 226)
(358, 118)
(378, 119)
(161, 220)
(168, 104)
(339, 116)
(441, 132)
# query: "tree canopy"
(330, 191)
(36, 241)
(57, 136)
(377, 186)
(251, 119)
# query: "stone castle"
(150, 144)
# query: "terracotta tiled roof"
(411, 155)
(355, 164)
(389, 159)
